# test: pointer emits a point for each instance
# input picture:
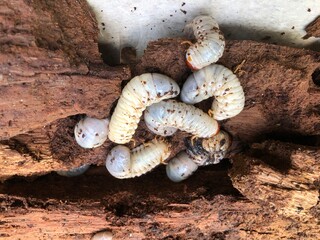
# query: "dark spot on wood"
(309, 10)
(292, 27)
(283, 33)
(183, 3)
(97, 134)
(316, 77)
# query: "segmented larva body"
(140, 92)
(74, 171)
(205, 151)
(123, 163)
(105, 235)
(91, 132)
(210, 43)
(180, 167)
(218, 81)
(199, 152)
(181, 116)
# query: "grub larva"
(180, 167)
(218, 81)
(105, 235)
(123, 163)
(199, 152)
(74, 171)
(210, 43)
(205, 151)
(140, 92)
(182, 116)
(91, 132)
(154, 121)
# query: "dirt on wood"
(313, 29)
(51, 74)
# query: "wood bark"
(47, 61)
(51, 73)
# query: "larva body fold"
(140, 92)
(217, 81)
(74, 171)
(210, 43)
(181, 116)
(123, 163)
(180, 167)
(91, 132)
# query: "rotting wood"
(281, 98)
(280, 84)
(50, 66)
(313, 29)
(292, 190)
(203, 207)
(48, 52)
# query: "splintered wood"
(51, 72)
(293, 191)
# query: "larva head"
(74, 171)
(190, 62)
(118, 162)
(180, 167)
(91, 132)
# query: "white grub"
(74, 171)
(205, 151)
(140, 92)
(91, 132)
(105, 235)
(182, 116)
(180, 167)
(217, 81)
(154, 121)
(123, 163)
(210, 42)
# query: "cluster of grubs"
(149, 94)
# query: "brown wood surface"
(51, 71)
(50, 66)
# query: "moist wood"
(51, 73)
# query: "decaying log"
(313, 28)
(290, 187)
(281, 85)
(51, 71)
(281, 99)
(50, 66)
(150, 207)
